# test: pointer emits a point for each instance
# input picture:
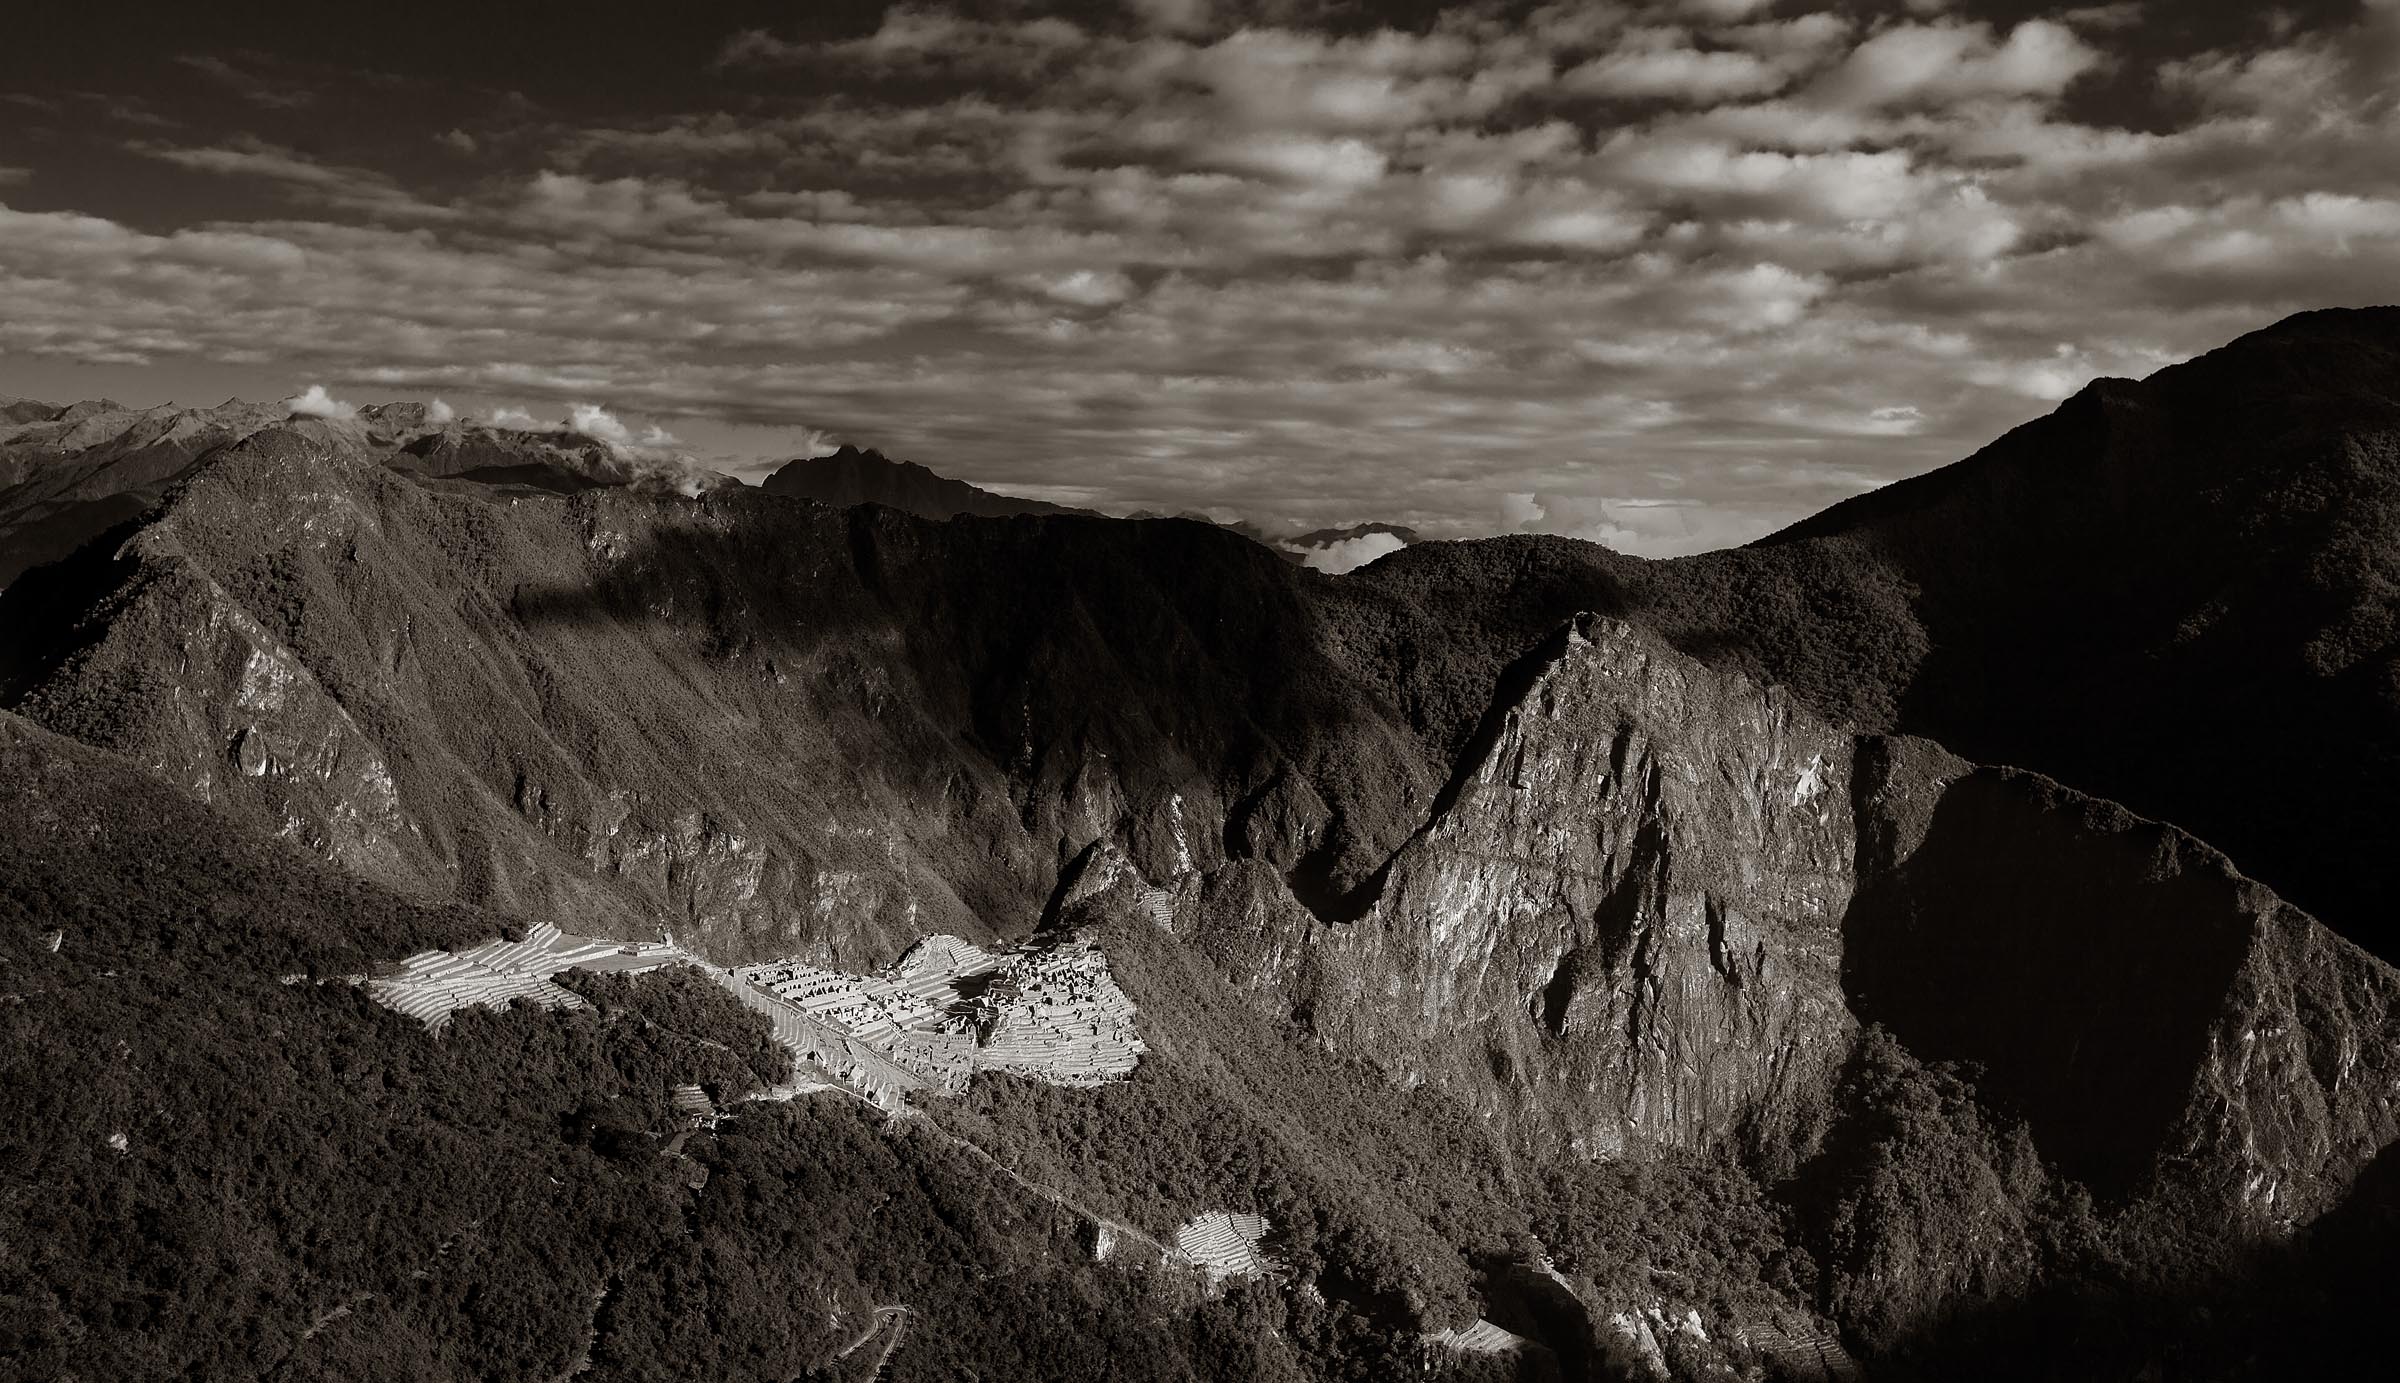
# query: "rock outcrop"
(1656, 904)
(1621, 927)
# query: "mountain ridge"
(1504, 918)
(68, 474)
(851, 475)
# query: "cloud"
(1723, 11)
(598, 423)
(1950, 61)
(349, 189)
(1676, 73)
(256, 80)
(2121, 14)
(1841, 186)
(314, 402)
(1799, 41)
(1299, 158)
(919, 38)
(1349, 554)
(1083, 287)
(514, 419)
(1572, 216)
(439, 413)
(1663, 274)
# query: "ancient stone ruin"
(1225, 1244)
(947, 1009)
(431, 986)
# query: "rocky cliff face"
(1657, 902)
(290, 639)
(1620, 929)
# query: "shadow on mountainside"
(2183, 594)
(2084, 988)
(2315, 1306)
(1106, 666)
(52, 611)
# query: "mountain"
(1335, 550)
(2165, 573)
(851, 476)
(2118, 594)
(69, 473)
(1327, 537)
(1546, 963)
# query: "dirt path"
(897, 1317)
(1057, 1197)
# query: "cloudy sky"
(1665, 274)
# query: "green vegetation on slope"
(210, 1173)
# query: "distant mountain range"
(68, 472)
(854, 476)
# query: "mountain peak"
(855, 475)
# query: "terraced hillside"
(430, 986)
(946, 1010)
(1227, 1244)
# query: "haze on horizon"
(1666, 274)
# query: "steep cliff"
(1657, 901)
(1620, 926)
(775, 727)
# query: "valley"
(1943, 940)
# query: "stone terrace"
(1225, 1244)
(949, 1008)
(431, 986)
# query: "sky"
(1666, 275)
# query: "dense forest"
(224, 1161)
